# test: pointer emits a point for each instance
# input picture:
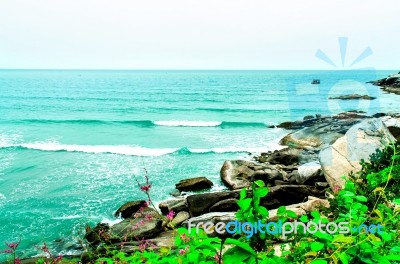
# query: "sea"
(74, 143)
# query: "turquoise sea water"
(72, 142)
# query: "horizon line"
(127, 69)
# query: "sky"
(197, 34)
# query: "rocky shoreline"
(391, 84)
(318, 151)
(315, 154)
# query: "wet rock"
(353, 97)
(194, 184)
(228, 205)
(97, 234)
(391, 84)
(345, 154)
(235, 174)
(215, 217)
(130, 208)
(201, 203)
(177, 205)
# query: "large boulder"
(201, 203)
(194, 184)
(393, 124)
(285, 156)
(235, 174)
(147, 225)
(228, 205)
(359, 142)
(130, 208)
(284, 195)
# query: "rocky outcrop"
(324, 131)
(353, 97)
(391, 84)
(130, 208)
(359, 142)
(308, 171)
(194, 184)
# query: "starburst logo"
(343, 43)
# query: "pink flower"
(182, 252)
(7, 251)
(185, 238)
(141, 222)
(12, 245)
(171, 215)
(145, 188)
(336, 189)
(17, 261)
(148, 217)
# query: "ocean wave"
(137, 151)
(148, 123)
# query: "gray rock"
(147, 225)
(345, 154)
(201, 203)
(228, 205)
(235, 174)
(308, 171)
(177, 205)
(194, 184)
(180, 218)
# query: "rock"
(176, 205)
(235, 174)
(308, 117)
(285, 156)
(393, 124)
(353, 97)
(301, 208)
(345, 154)
(165, 239)
(97, 234)
(201, 203)
(180, 218)
(228, 205)
(194, 184)
(323, 133)
(321, 184)
(147, 225)
(214, 218)
(289, 194)
(130, 208)
(390, 84)
(308, 171)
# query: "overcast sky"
(196, 34)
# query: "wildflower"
(7, 251)
(17, 261)
(148, 217)
(12, 245)
(171, 215)
(145, 188)
(141, 222)
(184, 238)
(336, 189)
(182, 252)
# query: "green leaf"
(259, 183)
(392, 257)
(240, 244)
(396, 201)
(263, 211)
(281, 210)
(361, 198)
(319, 261)
(291, 214)
(243, 193)
(316, 246)
(244, 204)
(344, 258)
(315, 214)
(304, 219)
(261, 192)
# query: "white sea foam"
(122, 150)
(187, 123)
